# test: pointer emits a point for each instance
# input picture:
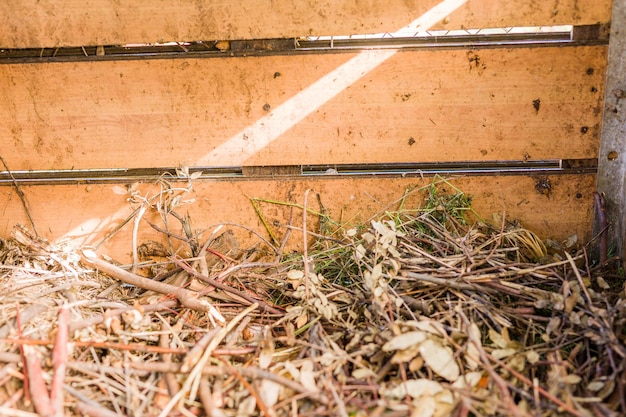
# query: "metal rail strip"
(483, 38)
(125, 175)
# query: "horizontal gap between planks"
(48, 177)
(576, 36)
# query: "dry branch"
(221, 286)
(187, 298)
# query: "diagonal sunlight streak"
(265, 130)
(243, 145)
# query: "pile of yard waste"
(424, 311)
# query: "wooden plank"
(416, 106)
(612, 157)
(528, 13)
(85, 213)
(47, 23)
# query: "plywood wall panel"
(47, 23)
(85, 213)
(415, 106)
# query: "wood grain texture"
(85, 213)
(47, 23)
(416, 106)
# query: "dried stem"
(227, 288)
(21, 195)
(59, 360)
(187, 298)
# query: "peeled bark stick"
(60, 355)
(187, 298)
(38, 390)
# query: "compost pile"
(418, 312)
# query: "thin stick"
(11, 412)
(137, 347)
(117, 228)
(21, 195)
(196, 352)
(39, 391)
(285, 238)
(227, 288)
(599, 202)
(583, 287)
(187, 298)
(59, 360)
(252, 231)
(94, 410)
(257, 210)
(447, 283)
(247, 371)
(206, 398)
(541, 390)
(259, 401)
(192, 379)
(140, 214)
(88, 406)
(498, 380)
(305, 246)
(317, 235)
(99, 318)
(170, 381)
(18, 325)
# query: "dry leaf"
(602, 283)
(571, 241)
(270, 392)
(469, 379)
(266, 354)
(416, 364)
(503, 353)
(571, 379)
(247, 406)
(307, 376)
(414, 388)
(440, 359)
(405, 355)
(404, 341)
(430, 326)
(294, 277)
(363, 373)
(595, 385)
(302, 320)
(532, 357)
(553, 325)
(425, 406)
(498, 339)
